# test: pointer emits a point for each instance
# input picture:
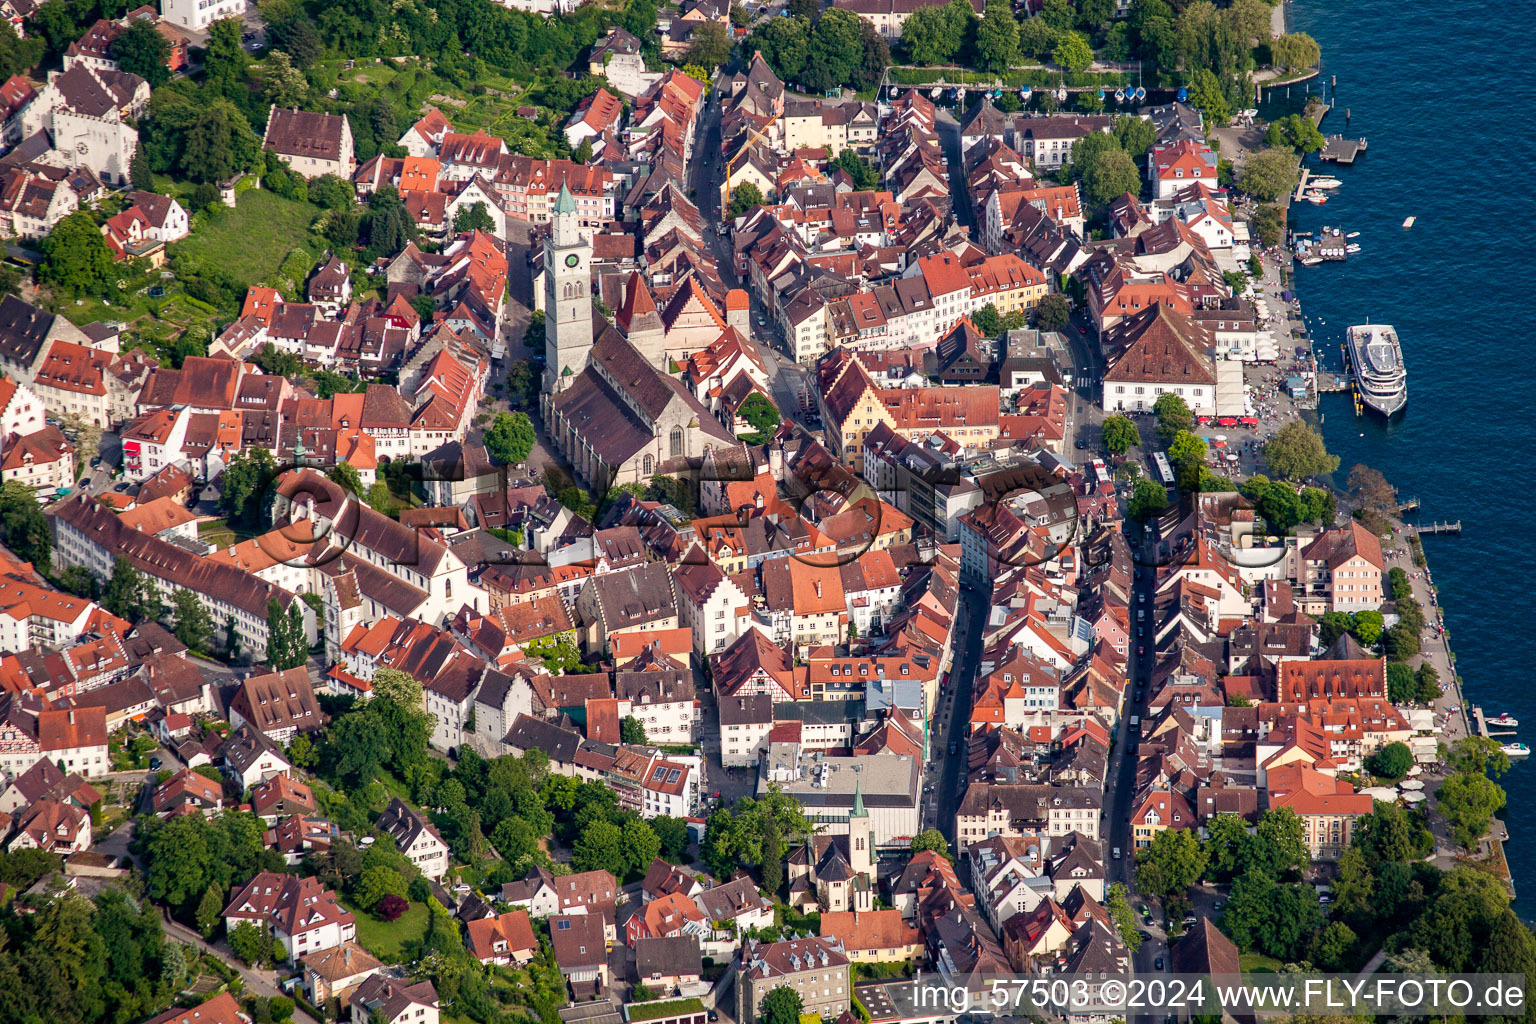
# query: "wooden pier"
(1339, 150)
(1450, 527)
(1407, 505)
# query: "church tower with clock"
(567, 298)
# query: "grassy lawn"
(251, 241)
(1251, 963)
(387, 939)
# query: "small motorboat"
(1324, 182)
(1409, 223)
(1517, 750)
(1315, 199)
(1311, 261)
(1351, 248)
(1353, 234)
(1507, 720)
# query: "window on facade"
(677, 442)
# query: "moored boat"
(1507, 720)
(1517, 750)
(1377, 358)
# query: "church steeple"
(567, 296)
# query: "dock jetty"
(1339, 150)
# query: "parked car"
(154, 764)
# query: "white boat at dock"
(1506, 720)
(1377, 359)
(1353, 234)
(1352, 248)
(1324, 182)
(1311, 261)
(1315, 199)
(1517, 750)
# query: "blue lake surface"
(1450, 143)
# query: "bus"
(1164, 470)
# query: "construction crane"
(729, 164)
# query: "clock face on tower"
(572, 260)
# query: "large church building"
(610, 407)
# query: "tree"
(930, 839)
(744, 198)
(1390, 762)
(286, 647)
(250, 943)
(1135, 135)
(345, 474)
(1295, 131)
(1428, 683)
(1469, 800)
(1268, 917)
(1402, 685)
(631, 731)
(475, 218)
(1400, 642)
(673, 833)
(1269, 174)
(710, 45)
(224, 60)
(129, 594)
(220, 143)
(761, 415)
(601, 845)
(997, 38)
(1072, 52)
(1186, 450)
(1267, 224)
(297, 37)
(141, 50)
(784, 43)
(301, 751)
(1118, 903)
(1334, 947)
(1120, 434)
(1318, 505)
(1206, 96)
(1297, 452)
(864, 176)
(1171, 863)
(1479, 754)
(81, 582)
(510, 438)
(1366, 626)
(76, 260)
(807, 9)
(1295, 50)
(194, 626)
(283, 84)
(23, 527)
(772, 855)
(376, 883)
(935, 35)
(210, 910)
(1109, 175)
(836, 48)
(1173, 416)
(1280, 844)
(1052, 312)
(1148, 498)
(1036, 37)
(781, 1006)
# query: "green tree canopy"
(997, 37)
(1148, 498)
(1297, 452)
(1120, 434)
(930, 839)
(510, 438)
(1052, 312)
(141, 50)
(194, 626)
(1073, 53)
(1390, 762)
(219, 143)
(782, 1005)
(744, 198)
(1171, 863)
(1173, 415)
(23, 527)
(1269, 175)
(76, 260)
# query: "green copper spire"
(858, 800)
(566, 203)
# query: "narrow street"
(262, 983)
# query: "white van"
(1135, 723)
(1117, 853)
